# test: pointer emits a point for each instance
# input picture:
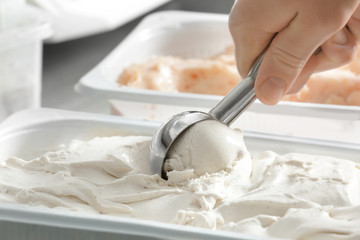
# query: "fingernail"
(273, 89)
(340, 38)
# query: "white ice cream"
(208, 147)
(291, 196)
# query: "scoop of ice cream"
(207, 147)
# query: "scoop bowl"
(226, 111)
(167, 134)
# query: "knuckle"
(232, 22)
(334, 19)
(340, 17)
(289, 62)
(354, 26)
(236, 27)
(344, 54)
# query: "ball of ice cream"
(206, 147)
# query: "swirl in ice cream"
(291, 196)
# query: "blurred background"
(46, 46)
(65, 63)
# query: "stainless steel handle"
(239, 98)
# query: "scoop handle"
(239, 98)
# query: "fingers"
(289, 61)
(253, 24)
(354, 23)
(354, 28)
(286, 58)
(305, 74)
(300, 28)
(335, 52)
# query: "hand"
(306, 36)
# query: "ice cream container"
(45, 129)
(22, 30)
(184, 34)
(192, 34)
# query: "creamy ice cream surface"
(208, 147)
(291, 196)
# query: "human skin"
(301, 37)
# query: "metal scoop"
(226, 111)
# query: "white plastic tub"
(191, 34)
(22, 29)
(45, 129)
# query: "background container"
(22, 29)
(201, 35)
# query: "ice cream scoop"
(226, 112)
